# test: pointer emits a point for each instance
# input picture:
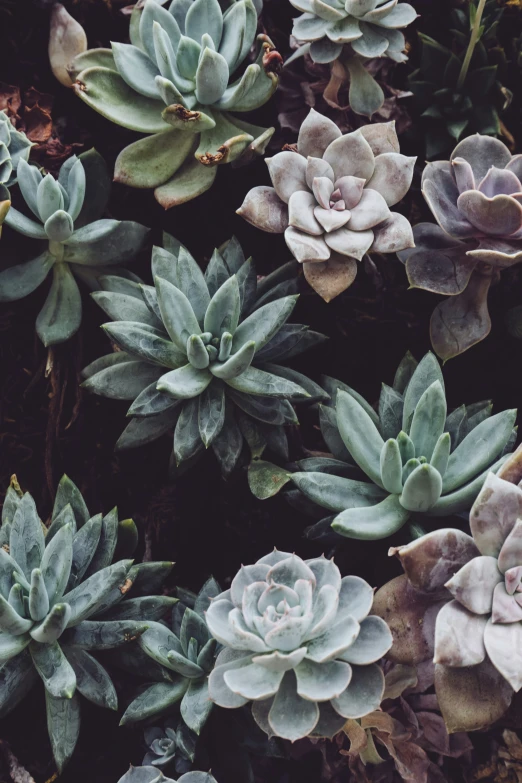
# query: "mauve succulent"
(331, 198)
(476, 199)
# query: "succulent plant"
(299, 644)
(14, 146)
(200, 354)
(353, 31)
(155, 775)
(79, 244)
(172, 82)
(458, 603)
(331, 198)
(450, 111)
(59, 602)
(419, 459)
(475, 199)
(176, 659)
(171, 745)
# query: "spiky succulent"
(176, 660)
(354, 31)
(458, 603)
(200, 354)
(331, 199)
(419, 459)
(14, 146)
(172, 745)
(298, 643)
(476, 199)
(173, 83)
(155, 775)
(79, 244)
(59, 596)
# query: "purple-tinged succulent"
(476, 199)
(460, 603)
(331, 198)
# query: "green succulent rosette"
(14, 147)
(205, 355)
(61, 602)
(178, 83)
(75, 243)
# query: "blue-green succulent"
(14, 147)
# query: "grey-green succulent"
(170, 745)
(14, 147)
(155, 775)
(203, 354)
(300, 644)
(173, 83)
(418, 459)
(60, 595)
(78, 244)
(176, 660)
(353, 31)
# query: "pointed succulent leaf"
(63, 725)
(223, 312)
(92, 680)
(54, 669)
(373, 522)
(427, 372)
(54, 624)
(211, 412)
(264, 323)
(391, 467)
(360, 435)
(428, 420)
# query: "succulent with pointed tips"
(331, 198)
(418, 459)
(203, 354)
(176, 82)
(459, 603)
(79, 244)
(353, 31)
(155, 775)
(172, 745)
(60, 595)
(299, 644)
(14, 147)
(476, 200)
(176, 660)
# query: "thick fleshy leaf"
(334, 641)
(219, 618)
(322, 681)
(54, 669)
(196, 705)
(474, 584)
(264, 209)
(291, 716)
(494, 514)
(157, 699)
(459, 636)
(482, 152)
(105, 242)
(374, 522)
(219, 692)
(360, 435)
(503, 648)
(363, 694)
(92, 680)
(190, 181)
(24, 225)
(154, 160)
(253, 681)
(422, 488)
(365, 95)
(373, 642)
(67, 39)
(430, 561)
(336, 493)
(500, 215)
(63, 725)
(315, 134)
(392, 176)
(288, 173)
(185, 382)
(144, 342)
(211, 76)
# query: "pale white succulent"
(331, 198)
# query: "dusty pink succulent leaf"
(338, 190)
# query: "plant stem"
(471, 46)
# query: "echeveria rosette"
(331, 198)
(175, 659)
(457, 603)
(155, 775)
(79, 245)
(205, 355)
(299, 644)
(476, 199)
(60, 595)
(177, 82)
(419, 460)
(171, 745)
(14, 146)
(352, 31)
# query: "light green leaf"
(177, 313)
(464, 497)
(390, 412)
(192, 283)
(204, 16)
(265, 479)
(24, 225)
(428, 420)
(267, 409)
(422, 489)
(211, 412)
(236, 364)
(190, 181)
(63, 725)
(138, 70)
(152, 161)
(366, 96)
(360, 435)
(144, 342)
(104, 634)
(211, 76)
(391, 467)
(61, 315)
(92, 681)
(185, 382)
(68, 494)
(155, 701)
(105, 242)
(336, 493)
(223, 312)
(187, 438)
(56, 562)
(427, 372)
(374, 522)
(441, 453)
(54, 669)
(254, 381)
(53, 625)
(26, 538)
(126, 307)
(196, 704)
(263, 323)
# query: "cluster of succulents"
(410, 459)
(14, 147)
(458, 603)
(149, 774)
(300, 644)
(354, 31)
(203, 352)
(174, 82)
(474, 198)
(331, 198)
(80, 245)
(61, 600)
(173, 744)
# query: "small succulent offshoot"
(172, 745)
(175, 83)
(300, 644)
(61, 599)
(80, 245)
(204, 355)
(14, 147)
(331, 199)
